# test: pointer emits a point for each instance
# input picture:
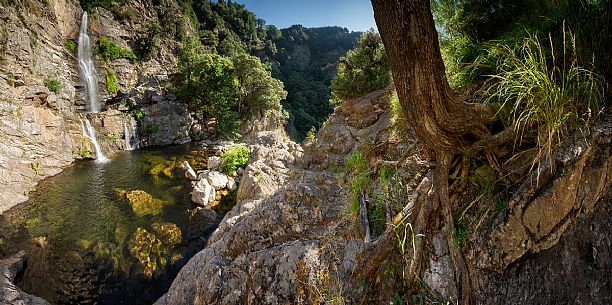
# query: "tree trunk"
(438, 117)
(436, 114)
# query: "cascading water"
(132, 140)
(89, 74)
(90, 133)
(128, 138)
(87, 67)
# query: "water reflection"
(111, 233)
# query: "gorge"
(186, 152)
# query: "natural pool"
(112, 233)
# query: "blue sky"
(356, 15)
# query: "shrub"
(139, 115)
(363, 69)
(310, 135)
(234, 158)
(356, 167)
(35, 167)
(53, 84)
(109, 50)
(554, 99)
(111, 82)
(70, 44)
(151, 129)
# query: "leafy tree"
(257, 90)
(363, 69)
(209, 85)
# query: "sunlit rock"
(142, 202)
(203, 193)
(217, 180)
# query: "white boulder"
(217, 180)
(189, 172)
(203, 193)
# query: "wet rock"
(9, 292)
(153, 250)
(217, 180)
(142, 203)
(201, 220)
(189, 172)
(203, 193)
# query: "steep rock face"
(37, 130)
(366, 124)
(9, 292)
(552, 246)
(40, 130)
(284, 235)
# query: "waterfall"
(128, 138)
(87, 67)
(90, 133)
(132, 140)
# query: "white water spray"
(128, 138)
(90, 133)
(87, 67)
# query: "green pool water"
(113, 233)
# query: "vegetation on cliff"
(529, 83)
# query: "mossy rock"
(142, 203)
(153, 250)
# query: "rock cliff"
(292, 240)
(41, 98)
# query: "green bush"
(111, 82)
(151, 129)
(234, 158)
(70, 44)
(109, 50)
(310, 135)
(356, 167)
(554, 98)
(363, 69)
(139, 115)
(53, 84)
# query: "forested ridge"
(304, 59)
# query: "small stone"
(217, 180)
(231, 184)
(214, 163)
(189, 172)
(203, 175)
(158, 99)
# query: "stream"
(110, 233)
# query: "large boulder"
(201, 220)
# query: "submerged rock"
(142, 202)
(153, 250)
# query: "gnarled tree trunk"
(439, 118)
